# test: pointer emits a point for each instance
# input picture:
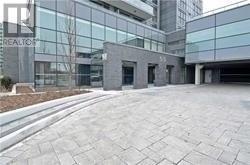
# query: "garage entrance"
(239, 73)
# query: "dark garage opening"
(239, 73)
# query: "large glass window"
(140, 42)
(64, 68)
(83, 41)
(202, 35)
(121, 36)
(65, 23)
(46, 47)
(110, 21)
(147, 44)
(233, 29)
(234, 41)
(83, 11)
(110, 34)
(97, 44)
(154, 46)
(83, 52)
(200, 46)
(98, 16)
(97, 31)
(62, 37)
(63, 49)
(46, 35)
(161, 47)
(46, 18)
(45, 73)
(83, 27)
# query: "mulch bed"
(8, 103)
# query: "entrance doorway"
(128, 75)
(169, 73)
(151, 74)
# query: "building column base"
(198, 68)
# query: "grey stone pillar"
(198, 73)
(160, 74)
(140, 75)
(112, 74)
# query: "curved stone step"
(22, 133)
(22, 122)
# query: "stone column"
(198, 68)
(140, 75)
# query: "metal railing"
(221, 9)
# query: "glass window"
(97, 16)
(46, 35)
(131, 28)
(200, 46)
(83, 52)
(65, 6)
(161, 47)
(233, 29)
(203, 35)
(63, 49)
(62, 80)
(45, 47)
(62, 37)
(97, 31)
(121, 24)
(140, 42)
(46, 18)
(64, 68)
(46, 4)
(45, 67)
(154, 46)
(131, 40)
(140, 30)
(155, 35)
(83, 27)
(121, 36)
(110, 21)
(234, 41)
(83, 11)
(148, 33)
(147, 44)
(97, 44)
(83, 41)
(42, 80)
(110, 34)
(65, 23)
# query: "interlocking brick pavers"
(184, 125)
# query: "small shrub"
(5, 82)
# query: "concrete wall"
(115, 54)
(168, 16)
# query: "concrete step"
(22, 122)
(14, 131)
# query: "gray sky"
(214, 4)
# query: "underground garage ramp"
(235, 74)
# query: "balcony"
(135, 7)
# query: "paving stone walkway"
(184, 125)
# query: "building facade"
(1, 49)
(219, 46)
(72, 35)
(175, 13)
